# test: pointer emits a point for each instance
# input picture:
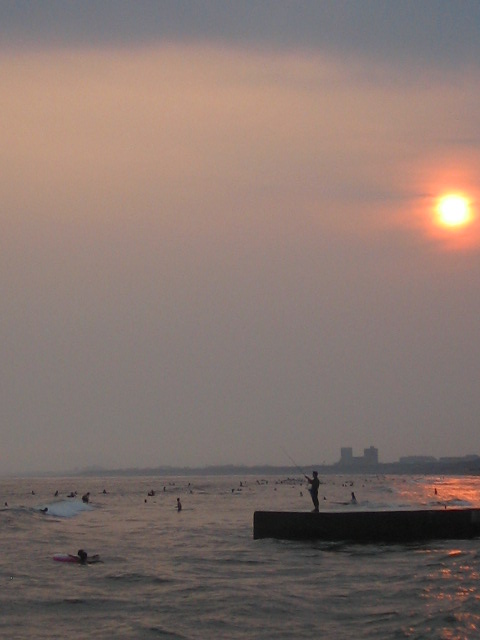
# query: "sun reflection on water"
(451, 595)
(452, 491)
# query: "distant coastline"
(471, 467)
(436, 467)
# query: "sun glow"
(453, 210)
(448, 211)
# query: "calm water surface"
(199, 574)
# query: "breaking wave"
(64, 508)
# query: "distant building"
(443, 460)
(370, 455)
(348, 460)
(455, 459)
(346, 456)
(417, 459)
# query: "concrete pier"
(368, 526)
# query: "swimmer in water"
(83, 556)
(84, 559)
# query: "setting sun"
(453, 210)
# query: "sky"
(220, 235)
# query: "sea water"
(198, 573)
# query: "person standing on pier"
(315, 484)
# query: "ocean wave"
(64, 508)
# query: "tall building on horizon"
(369, 458)
(370, 455)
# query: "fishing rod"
(292, 460)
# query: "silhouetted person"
(179, 505)
(353, 500)
(84, 559)
(86, 497)
(314, 486)
(82, 555)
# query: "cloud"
(161, 128)
(200, 247)
(435, 32)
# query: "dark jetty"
(368, 526)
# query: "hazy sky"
(218, 231)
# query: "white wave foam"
(65, 508)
